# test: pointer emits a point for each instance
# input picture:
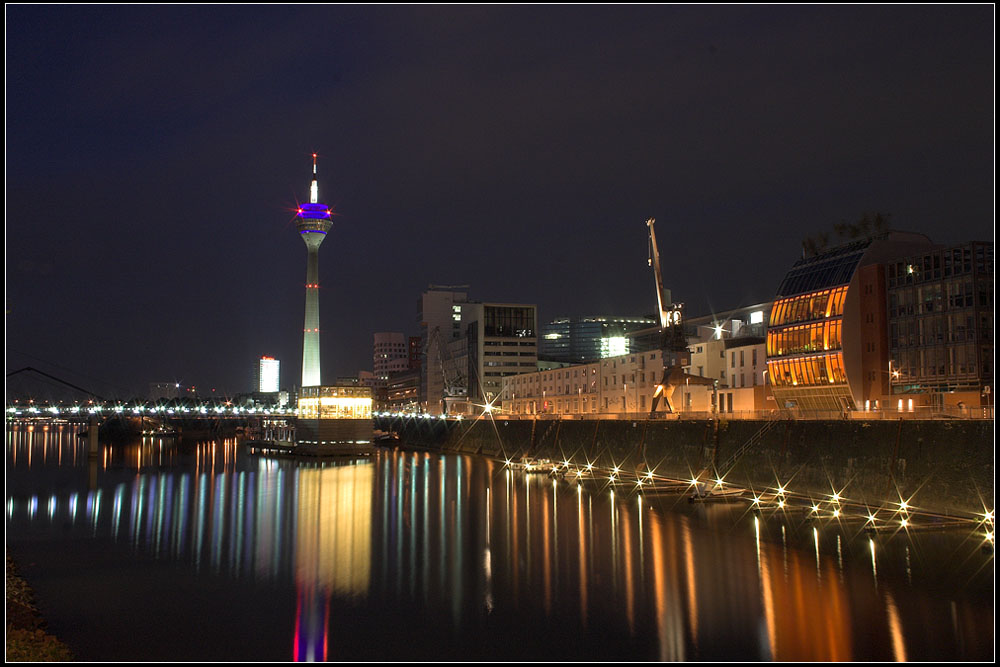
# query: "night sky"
(155, 154)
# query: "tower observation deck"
(313, 221)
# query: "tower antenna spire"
(314, 187)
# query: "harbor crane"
(673, 343)
(455, 389)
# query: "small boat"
(545, 466)
(385, 438)
(702, 494)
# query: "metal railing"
(924, 412)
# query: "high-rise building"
(267, 375)
(313, 222)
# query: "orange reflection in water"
(807, 618)
(333, 528)
(669, 619)
(333, 548)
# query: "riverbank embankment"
(940, 465)
(27, 640)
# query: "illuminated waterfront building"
(583, 339)
(616, 386)
(941, 328)
(826, 333)
(313, 221)
(334, 414)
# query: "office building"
(501, 340)
(940, 314)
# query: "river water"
(181, 551)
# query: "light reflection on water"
(514, 565)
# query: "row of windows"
(937, 362)
(817, 371)
(506, 353)
(951, 262)
(523, 364)
(951, 328)
(514, 321)
(804, 338)
(938, 297)
(815, 306)
(732, 361)
(554, 375)
(743, 380)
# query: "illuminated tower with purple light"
(313, 222)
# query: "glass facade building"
(805, 356)
(584, 339)
(826, 332)
(335, 402)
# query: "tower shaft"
(310, 334)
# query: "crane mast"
(662, 295)
(673, 342)
(453, 386)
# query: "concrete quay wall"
(938, 465)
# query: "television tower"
(313, 223)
